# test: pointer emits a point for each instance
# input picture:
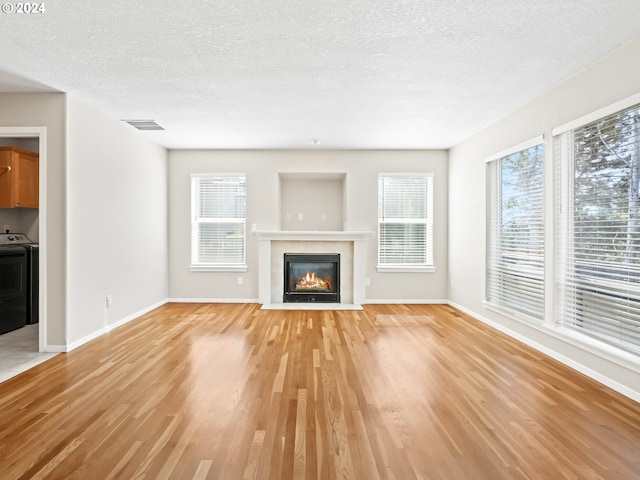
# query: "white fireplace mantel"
(358, 239)
(319, 235)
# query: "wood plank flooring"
(208, 391)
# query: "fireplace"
(311, 277)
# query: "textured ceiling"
(279, 74)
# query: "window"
(515, 230)
(598, 228)
(218, 205)
(405, 222)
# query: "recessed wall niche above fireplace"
(311, 278)
(312, 201)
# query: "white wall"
(47, 110)
(612, 79)
(116, 222)
(263, 209)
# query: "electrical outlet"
(299, 217)
(240, 281)
(453, 283)
(108, 301)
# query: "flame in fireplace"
(312, 282)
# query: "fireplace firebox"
(312, 277)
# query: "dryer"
(32, 253)
(13, 287)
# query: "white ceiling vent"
(144, 124)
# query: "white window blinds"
(405, 219)
(218, 219)
(515, 231)
(598, 229)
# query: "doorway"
(34, 138)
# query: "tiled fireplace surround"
(274, 244)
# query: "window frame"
(572, 281)
(196, 221)
(505, 278)
(428, 265)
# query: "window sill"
(218, 268)
(603, 350)
(514, 314)
(405, 268)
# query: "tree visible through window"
(600, 254)
(515, 231)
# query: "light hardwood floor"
(195, 391)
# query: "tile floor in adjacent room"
(19, 351)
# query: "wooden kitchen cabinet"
(19, 175)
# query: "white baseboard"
(395, 301)
(55, 348)
(86, 339)
(127, 319)
(212, 300)
(111, 326)
(597, 376)
(407, 301)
